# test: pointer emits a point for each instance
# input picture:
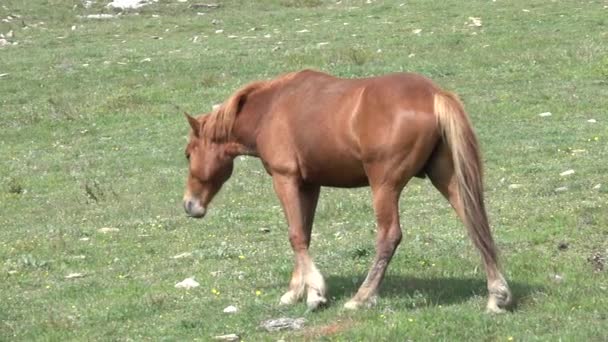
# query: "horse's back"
(331, 127)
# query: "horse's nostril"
(193, 208)
(188, 206)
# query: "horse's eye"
(188, 156)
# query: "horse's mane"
(217, 126)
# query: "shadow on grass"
(421, 292)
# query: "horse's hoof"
(352, 305)
(492, 308)
(315, 300)
(500, 297)
(288, 298)
(496, 306)
(316, 304)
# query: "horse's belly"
(336, 173)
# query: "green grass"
(91, 137)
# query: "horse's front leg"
(299, 203)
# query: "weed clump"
(15, 187)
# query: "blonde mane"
(217, 126)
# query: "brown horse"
(311, 129)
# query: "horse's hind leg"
(299, 204)
(442, 174)
(386, 208)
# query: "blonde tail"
(459, 135)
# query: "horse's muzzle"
(194, 209)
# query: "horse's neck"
(247, 123)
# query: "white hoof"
(315, 301)
(493, 307)
(495, 310)
(290, 297)
(499, 297)
(354, 304)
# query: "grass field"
(91, 137)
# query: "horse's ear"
(195, 124)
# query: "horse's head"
(210, 165)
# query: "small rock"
(84, 239)
(128, 4)
(265, 230)
(5, 74)
(106, 230)
(303, 31)
(597, 186)
(567, 173)
(474, 22)
(561, 189)
(557, 278)
(514, 186)
(591, 121)
(284, 323)
(74, 275)
(210, 6)
(598, 261)
(229, 337)
(416, 31)
(545, 114)
(100, 16)
(182, 255)
(11, 272)
(231, 309)
(188, 283)
(148, 59)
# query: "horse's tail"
(458, 134)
